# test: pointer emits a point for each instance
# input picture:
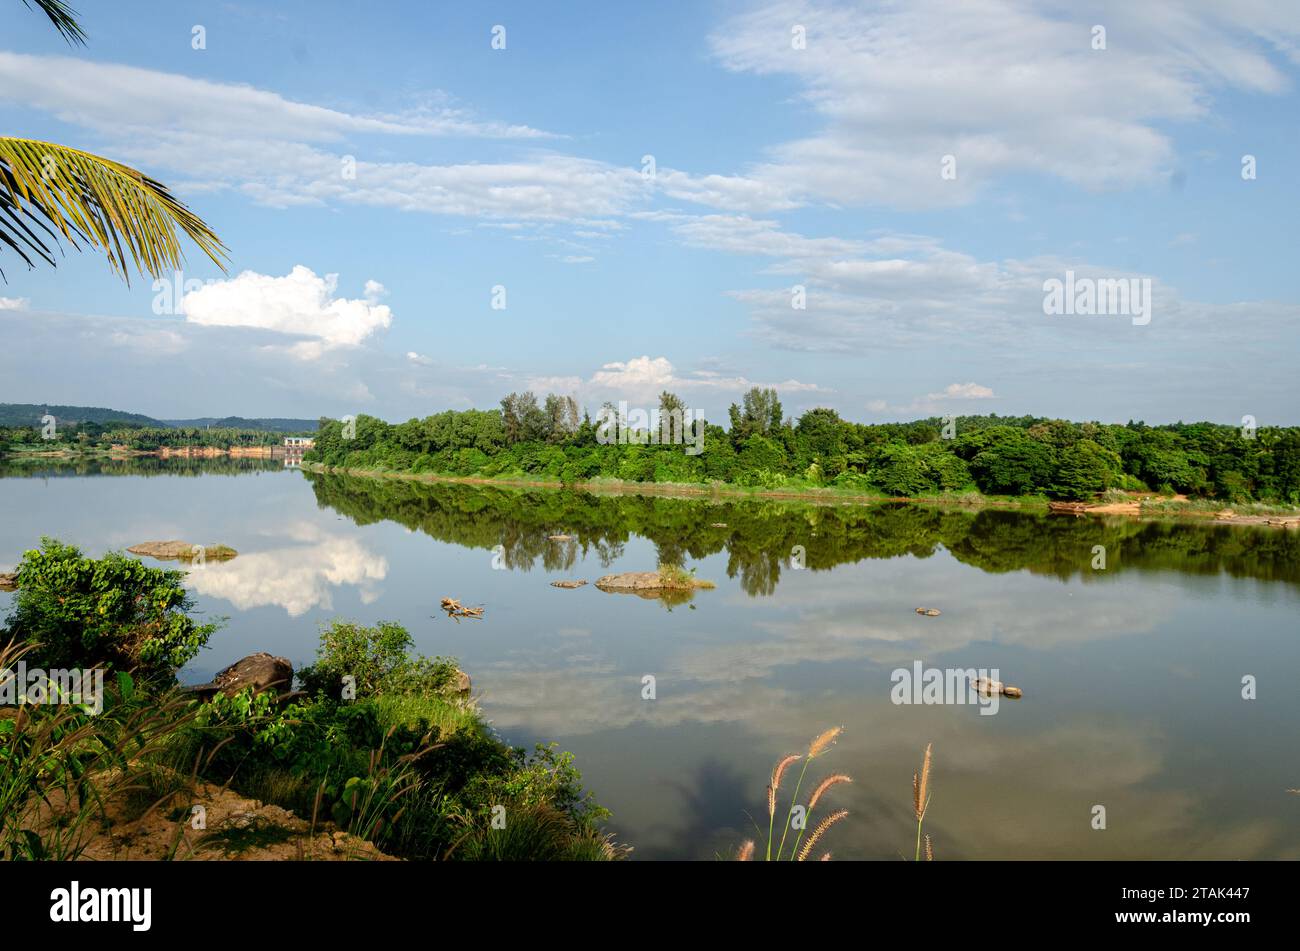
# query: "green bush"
(377, 659)
(114, 612)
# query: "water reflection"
(760, 535)
(296, 578)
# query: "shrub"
(378, 659)
(115, 612)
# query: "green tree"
(1083, 470)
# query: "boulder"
(8, 582)
(260, 671)
(462, 683)
(647, 581)
(184, 551)
(990, 687)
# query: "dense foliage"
(114, 612)
(103, 436)
(989, 454)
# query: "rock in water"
(567, 584)
(648, 581)
(929, 612)
(260, 671)
(183, 551)
(990, 687)
(8, 582)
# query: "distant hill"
(240, 422)
(29, 414)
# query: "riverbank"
(380, 752)
(163, 452)
(1146, 507)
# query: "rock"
(560, 538)
(989, 687)
(182, 551)
(8, 582)
(260, 671)
(648, 581)
(567, 584)
(929, 612)
(462, 683)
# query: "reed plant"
(799, 849)
(921, 804)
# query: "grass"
(211, 553)
(675, 576)
(60, 765)
(447, 715)
(1158, 506)
(800, 850)
(257, 834)
(796, 816)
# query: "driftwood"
(567, 584)
(455, 610)
(929, 612)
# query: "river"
(1133, 673)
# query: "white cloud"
(121, 99)
(14, 303)
(641, 380)
(282, 153)
(962, 391)
(1005, 86)
(299, 303)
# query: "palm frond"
(62, 16)
(106, 204)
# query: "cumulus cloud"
(962, 391)
(300, 303)
(933, 402)
(644, 377)
(14, 303)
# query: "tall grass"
(921, 803)
(60, 764)
(816, 748)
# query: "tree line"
(763, 448)
(90, 435)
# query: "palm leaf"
(62, 16)
(83, 197)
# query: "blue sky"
(775, 165)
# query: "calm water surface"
(1132, 675)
